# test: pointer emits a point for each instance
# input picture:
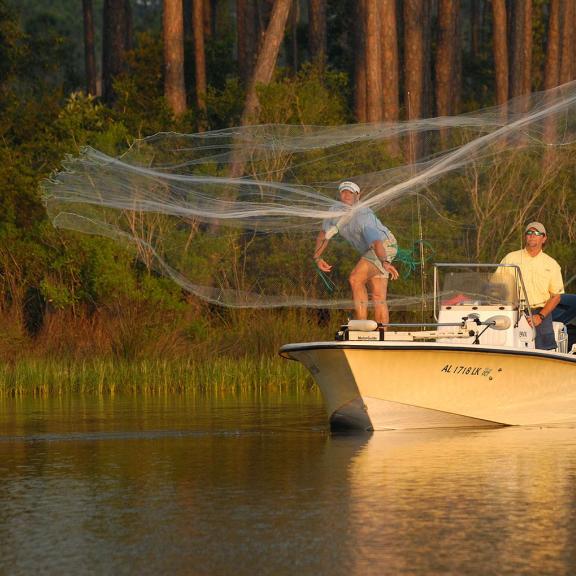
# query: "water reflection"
(246, 485)
(486, 501)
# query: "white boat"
(474, 366)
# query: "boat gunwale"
(396, 345)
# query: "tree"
(173, 35)
(89, 49)
(200, 62)
(266, 61)
(373, 59)
(116, 41)
(414, 57)
(500, 50)
(247, 44)
(360, 64)
(414, 67)
(528, 33)
(446, 56)
(390, 78)
(209, 18)
(552, 66)
(552, 69)
(521, 47)
(263, 73)
(317, 31)
(294, 21)
(567, 40)
(476, 21)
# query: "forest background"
(106, 72)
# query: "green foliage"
(44, 117)
(161, 292)
(19, 202)
(197, 330)
(220, 63)
(106, 272)
(12, 49)
(58, 295)
(81, 115)
(59, 377)
(140, 103)
(225, 106)
(307, 98)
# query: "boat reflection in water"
(498, 501)
(476, 367)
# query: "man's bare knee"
(356, 281)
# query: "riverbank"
(53, 377)
(150, 350)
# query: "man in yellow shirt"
(543, 280)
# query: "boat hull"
(379, 386)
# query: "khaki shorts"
(370, 255)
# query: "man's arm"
(555, 288)
(547, 309)
(321, 244)
(378, 247)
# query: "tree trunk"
(247, 38)
(173, 32)
(264, 12)
(373, 62)
(414, 75)
(448, 11)
(89, 49)
(500, 50)
(116, 41)
(317, 31)
(477, 9)
(294, 21)
(527, 73)
(552, 72)
(360, 64)
(567, 50)
(390, 77)
(552, 66)
(266, 62)
(457, 83)
(428, 85)
(414, 57)
(200, 62)
(521, 59)
(209, 17)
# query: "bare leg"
(358, 279)
(379, 287)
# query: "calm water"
(257, 485)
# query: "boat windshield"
(478, 285)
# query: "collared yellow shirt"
(541, 273)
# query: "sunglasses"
(534, 233)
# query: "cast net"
(232, 215)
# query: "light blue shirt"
(362, 229)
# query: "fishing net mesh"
(232, 215)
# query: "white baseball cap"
(352, 186)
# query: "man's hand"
(391, 270)
(536, 320)
(323, 265)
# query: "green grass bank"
(53, 377)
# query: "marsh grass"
(52, 377)
(131, 350)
